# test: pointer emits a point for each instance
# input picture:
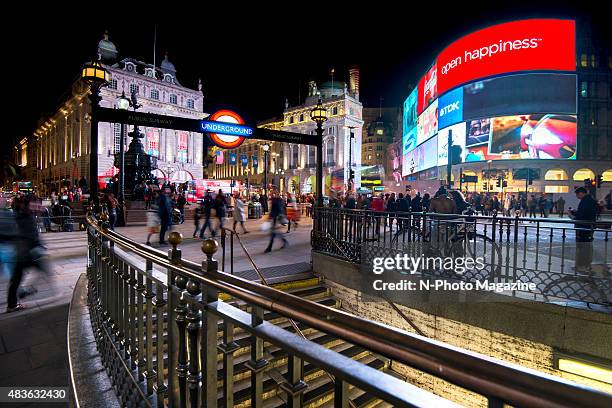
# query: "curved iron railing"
(549, 252)
(156, 318)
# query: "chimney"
(354, 81)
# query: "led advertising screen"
(478, 131)
(410, 121)
(525, 45)
(423, 157)
(535, 136)
(450, 108)
(427, 123)
(428, 89)
(458, 134)
(515, 94)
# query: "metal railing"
(567, 260)
(156, 319)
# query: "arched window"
(607, 175)
(556, 175)
(582, 174)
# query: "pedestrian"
(164, 211)
(181, 201)
(532, 203)
(111, 207)
(153, 223)
(560, 206)
(207, 206)
(586, 214)
(292, 212)
(220, 206)
(542, 205)
(239, 216)
(197, 215)
(275, 219)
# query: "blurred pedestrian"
(276, 212)
(239, 216)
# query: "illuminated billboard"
(450, 108)
(525, 45)
(536, 136)
(410, 122)
(427, 123)
(515, 94)
(427, 89)
(458, 139)
(425, 156)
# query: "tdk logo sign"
(450, 108)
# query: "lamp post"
(351, 174)
(265, 148)
(319, 115)
(124, 104)
(96, 76)
(449, 152)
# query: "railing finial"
(209, 247)
(175, 238)
(104, 218)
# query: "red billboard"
(428, 89)
(525, 45)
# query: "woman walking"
(239, 216)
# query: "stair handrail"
(500, 381)
(265, 282)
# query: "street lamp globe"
(265, 147)
(319, 113)
(95, 74)
(124, 102)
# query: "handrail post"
(295, 385)
(174, 256)
(208, 339)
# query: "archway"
(607, 175)
(557, 175)
(582, 174)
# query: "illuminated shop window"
(181, 147)
(556, 175)
(607, 175)
(582, 174)
(584, 62)
(153, 143)
(556, 189)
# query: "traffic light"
(351, 174)
(593, 183)
(485, 186)
(498, 183)
(599, 180)
(462, 179)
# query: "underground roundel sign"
(226, 129)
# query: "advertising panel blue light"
(450, 108)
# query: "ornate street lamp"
(123, 103)
(319, 115)
(96, 76)
(265, 148)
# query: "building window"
(311, 156)
(330, 152)
(594, 61)
(181, 147)
(295, 156)
(173, 99)
(584, 62)
(190, 103)
(556, 175)
(134, 89)
(155, 94)
(112, 84)
(584, 89)
(290, 119)
(116, 138)
(582, 174)
(153, 143)
(335, 110)
(380, 131)
(301, 117)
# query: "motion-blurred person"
(207, 206)
(220, 207)
(276, 212)
(239, 216)
(164, 210)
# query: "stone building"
(58, 151)
(292, 167)
(381, 127)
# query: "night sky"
(253, 60)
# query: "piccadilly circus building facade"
(526, 106)
(57, 153)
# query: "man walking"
(587, 213)
(276, 211)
